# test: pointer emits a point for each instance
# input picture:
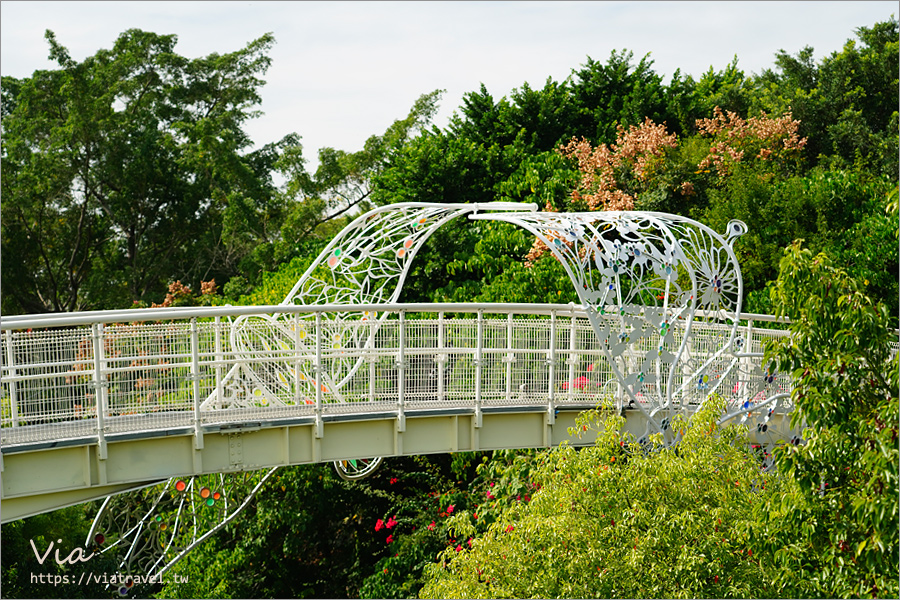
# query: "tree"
(616, 94)
(615, 520)
(606, 170)
(837, 535)
(688, 100)
(847, 105)
(829, 209)
(343, 182)
(117, 170)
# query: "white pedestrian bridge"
(103, 404)
(95, 404)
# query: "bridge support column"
(197, 458)
(398, 441)
(100, 462)
(195, 380)
(479, 361)
(100, 385)
(318, 369)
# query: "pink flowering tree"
(612, 176)
(735, 140)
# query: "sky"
(343, 71)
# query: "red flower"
(449, 509)
(390, 539)
(509, 528)
(394, 480)
(459, 547)
(379, 524)
(391, 522)
(581, 383)
(431, 527)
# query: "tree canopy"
(119, 170)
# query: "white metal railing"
(96, 374)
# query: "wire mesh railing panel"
(585, 376)
(47, 381)
(492, 366)
(147, 371)
(460, 388)
(421, 362)
(179, 373)
(529, 356)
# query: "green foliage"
(546, 179)
(438, 167)
(425, 491)
(23, 576)
(837, 534)
(617, 93)
(274, 286)
(454, 497)
(729, 89)
(307, 535)
(847, 105)
(494, 272)
(866, 249)
(826, 208)
(614, 520)
(118, 171)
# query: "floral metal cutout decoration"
(646, 279)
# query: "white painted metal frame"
(660, 293)
(366, 263)
(152, 375)
(647, 277)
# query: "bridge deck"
(93, 403)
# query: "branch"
(334, 215)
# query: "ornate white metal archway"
(646, 280)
